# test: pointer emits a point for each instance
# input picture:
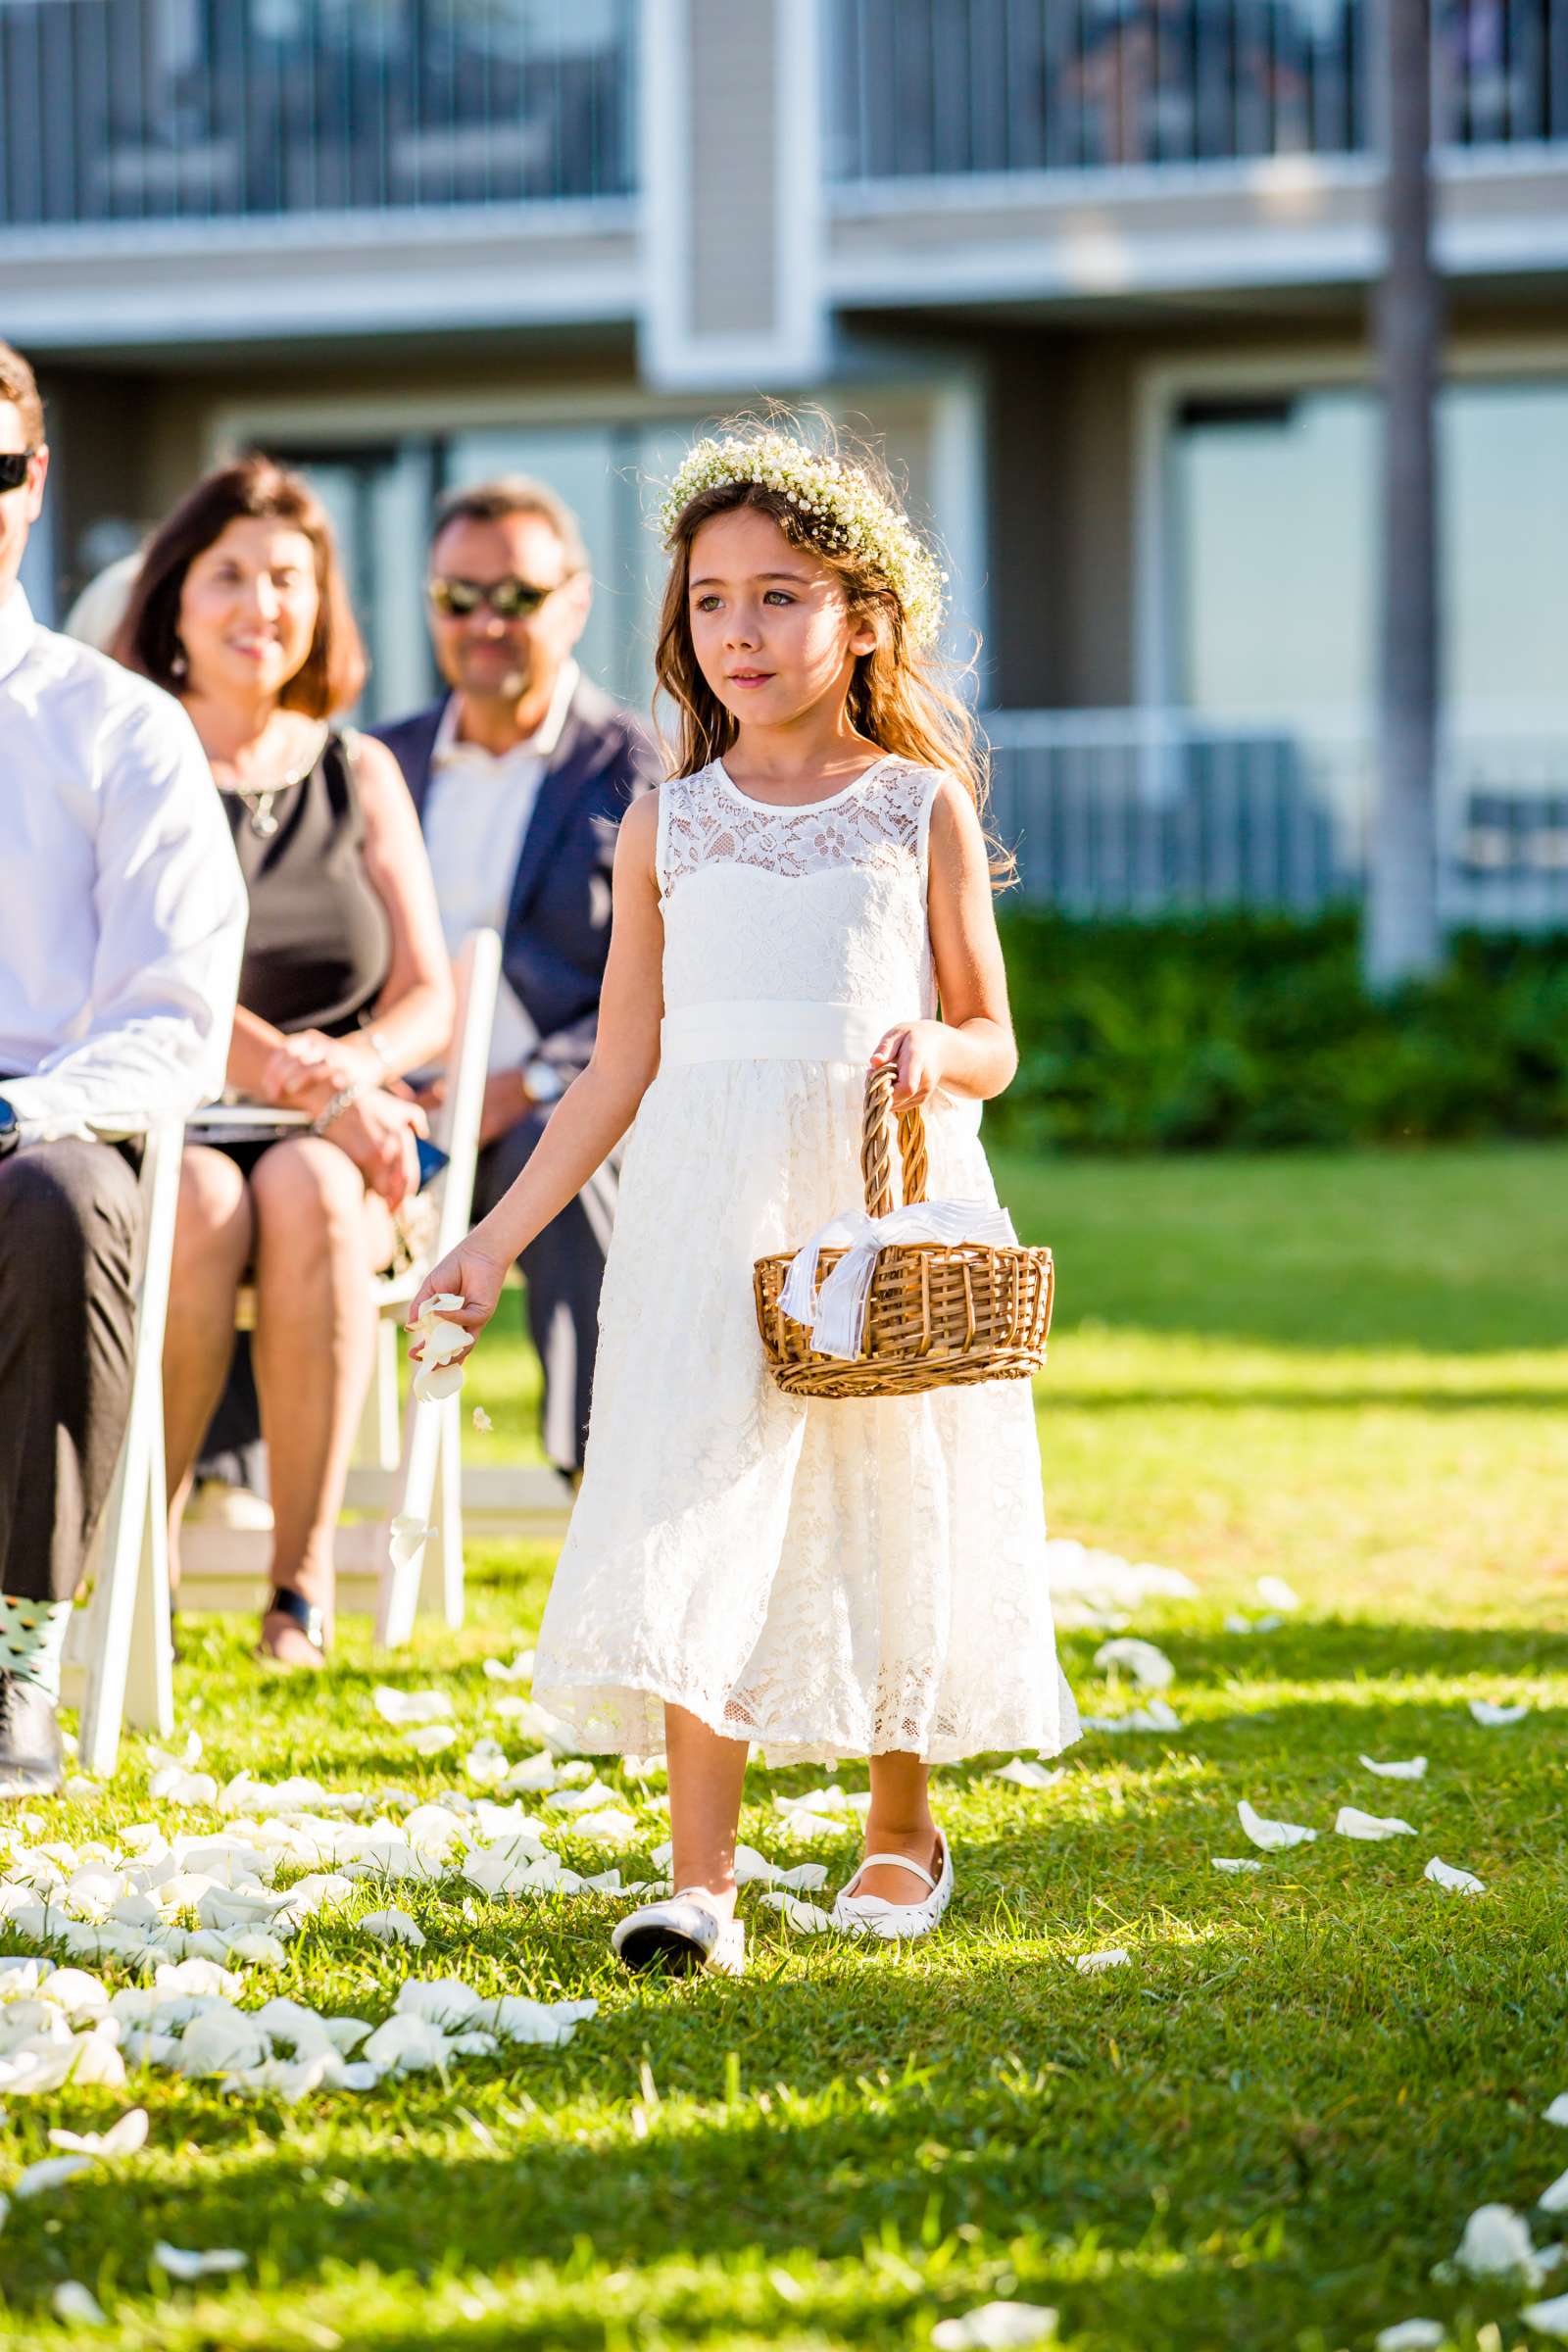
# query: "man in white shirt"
(522, 775)
(122, 924)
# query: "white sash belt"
(772, 1030)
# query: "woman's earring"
(180, 667)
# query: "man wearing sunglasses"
(121, 920)
(521, 774)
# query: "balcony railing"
(199, 110)
(941, 88)
(1135, 812)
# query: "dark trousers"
(564, 1271)
(72, 1232)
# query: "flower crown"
(842, 511)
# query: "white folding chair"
(403, 1462)
(119, 1651)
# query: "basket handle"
(876, 1146)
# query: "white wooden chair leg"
(129, 1663)
(400, 1585)
(377, 1444)
(445, 1572)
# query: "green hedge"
(1249, 1031)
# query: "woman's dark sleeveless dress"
(317, 951)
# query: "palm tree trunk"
(1403, 939)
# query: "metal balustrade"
(190, 110)
(931, 88)
(1137, 812)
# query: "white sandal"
(683, 1933)
(874, 1915)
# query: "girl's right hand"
(469, 1273)
(376, 1132)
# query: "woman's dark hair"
(331, 677)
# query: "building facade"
(1095, 271)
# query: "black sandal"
(285, 1601)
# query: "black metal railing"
(136, 110)
(924, 88)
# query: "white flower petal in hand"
(409, 1706)
(1234, 1862)
(1274, 1836)
(1024, 1772)
(1413, 2336)
(122, 2139)
(1146, 1664)
(433, 1384)
(1411, 1768)
(77, 2306)
(184, 2264)
(996, 2328)
(1496, 2244)
(393, 1926)
(429, 1739)
(50, 2171)
(1451, 1880)
(1494, 1714)
(1548, 2319)
(1352, 1822)
(1095, 1964)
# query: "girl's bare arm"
(970, 1050)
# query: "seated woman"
(240, 610)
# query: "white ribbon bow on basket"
(835, 1314)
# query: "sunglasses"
(509, 599)
(13, 468)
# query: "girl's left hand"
(918, 1052)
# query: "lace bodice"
(825, 904)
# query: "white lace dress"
(824, 1578)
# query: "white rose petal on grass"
(1025, 1773)
(1451, 1880)
(520, 1670)
(184, 2264)
(1413, 2336)
(1095, 1964)
(408, 1706)
(1278, 1594)
(1148, 1666)
(75, 2306)
(1352, 1822)
(177, 1787)
(50, 2171)
(481, 1419)
(1548, 2319)
(807, 1919)
(486, 1762)
(1494, 1714)
(122, 2138)
(1158, 1716)
(1234, 1862)
(606, 1824)
(408, 1538)
(429, 1739)
(1555, 2198)
(1411, 1768)
(1557, 2112)
(1274, 1836)
(393, 1926)
(996, 2328)
(1496, 2244)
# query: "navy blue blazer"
(557, 932)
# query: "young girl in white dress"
(808, 893)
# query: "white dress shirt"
(122, 905)
(476, 812)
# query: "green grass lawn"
(1264, 2132)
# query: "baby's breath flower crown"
(841, 511)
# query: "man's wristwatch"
(543, 1082)
(10, 1128)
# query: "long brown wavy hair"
(902, 698)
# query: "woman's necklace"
(258, 798)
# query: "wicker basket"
(939, 1315)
